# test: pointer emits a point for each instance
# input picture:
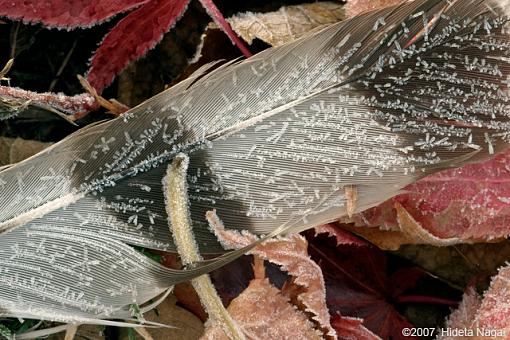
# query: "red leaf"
(357, 286)
(130, 39)
(472, 202)
(66, 13)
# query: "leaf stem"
(218, 18)
(176, 194)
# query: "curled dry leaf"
(292, 255)
(341, 236)
(264, 313)
(286, 24)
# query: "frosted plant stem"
(176, 195)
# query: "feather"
(373, 103)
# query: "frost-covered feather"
(375, 103)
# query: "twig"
(176, 195)
(6, 70)
(113, 106)
(218, 18)
(62, 67)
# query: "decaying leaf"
(264, 313)
(286, 24)
(292, 255)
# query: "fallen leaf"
(357, 285)
(286, 24)
(355, 7)
(341, 236)
(181, 323)
(13, 150)
(469, 204)
(291, 254)
(66, 13)
(489, 315)
(351, 328)
(264, 313)
(130, 39)
(140, 30)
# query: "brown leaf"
(355, 7)
(292, 255)
(264, 313)
(183, 324)
(13, 150)
(286, 24)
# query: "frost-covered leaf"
(341, 236)
(292, 255)
(358, 286)
(470, 204)
(130, 39)
(139, 31)
(66, 13)
(286, 24)
(264, 313)
(351, 328)
(489, 314)
(355, 7)
(273, 143)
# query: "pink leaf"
(66, 13)
(485, 318)
(472, 202)
(130, 39)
